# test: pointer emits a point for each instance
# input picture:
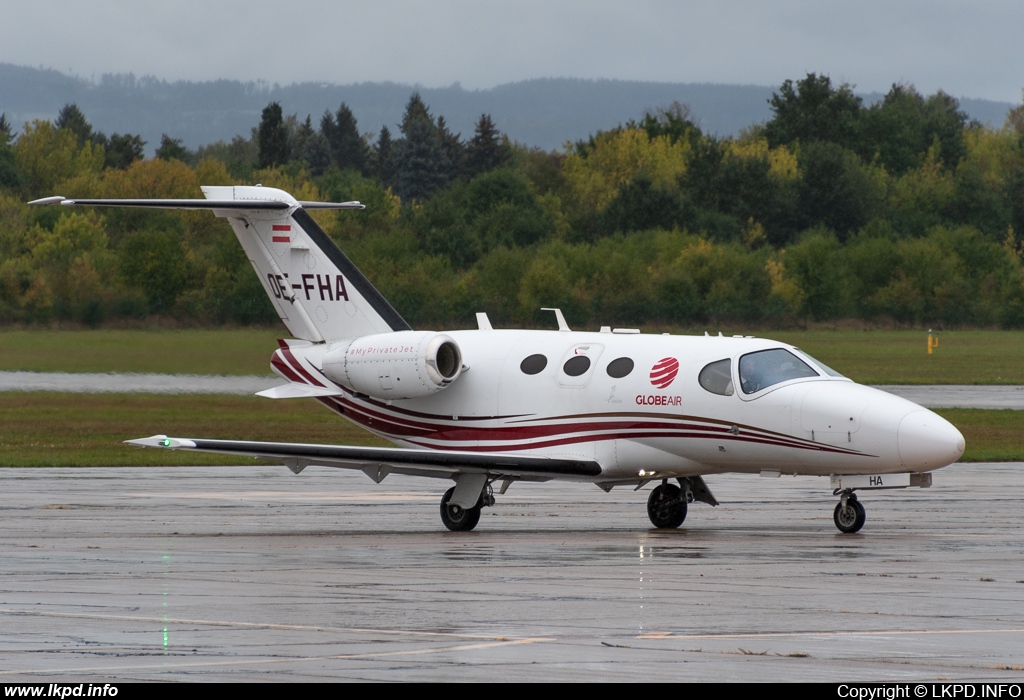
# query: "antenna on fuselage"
(562, 325)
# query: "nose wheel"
(849, 514)
(666, 506)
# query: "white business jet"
(490, 406)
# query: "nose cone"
(927, 441)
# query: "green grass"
(991, 436)
(866, 356)
(901, 357)
(164, 351)
(87, 430)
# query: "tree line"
(903, 211)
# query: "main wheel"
(455, 518)
(851, 518)
(666, 506)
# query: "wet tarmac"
(252, 573)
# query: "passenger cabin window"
(534, 364)
(760, 370)
(717, 378)
(617, 369)
(575, 366)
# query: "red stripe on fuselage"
(287, 352)
(559, 434)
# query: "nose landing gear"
(849, 514)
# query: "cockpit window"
(717, 378)
(760, 370)
(821, 365)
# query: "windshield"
(821, 365)
(760, 370)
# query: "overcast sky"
(968, 49)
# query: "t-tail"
(315, 289)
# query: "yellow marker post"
(932, 342)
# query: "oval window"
(575, 366)
(717, 378)
(620, 368)
(534, 364)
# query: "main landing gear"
(666, 506)
(849, 513)
(459, 518)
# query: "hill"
(544, 112)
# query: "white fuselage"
(656, 419)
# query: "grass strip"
(88, 430)
(235, 351)
(47, 429)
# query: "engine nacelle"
(401, 365)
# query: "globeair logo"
(664, 372)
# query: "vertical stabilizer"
(315, 289)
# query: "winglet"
(162, 441)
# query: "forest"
(902, 213)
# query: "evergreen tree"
(485, 151)
(415, 110)
(173, 149)
(302, 134)
(384, 158)
(348, 149)
(421, 165)
(123, 149)
(9, 175)
(6, 132)
(453, 148)
(71, 118)
(272, 137)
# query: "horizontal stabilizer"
(293, 390)
(441, 463)
(250, 204)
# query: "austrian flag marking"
(277, 238)
(664, 372)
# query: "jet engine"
(401, 365)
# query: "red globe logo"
(664, 372)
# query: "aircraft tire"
(458, 519)
(849, 519)
(666, 506)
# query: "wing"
(378, 462)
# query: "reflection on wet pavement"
(252, 573)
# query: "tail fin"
(315, 289)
